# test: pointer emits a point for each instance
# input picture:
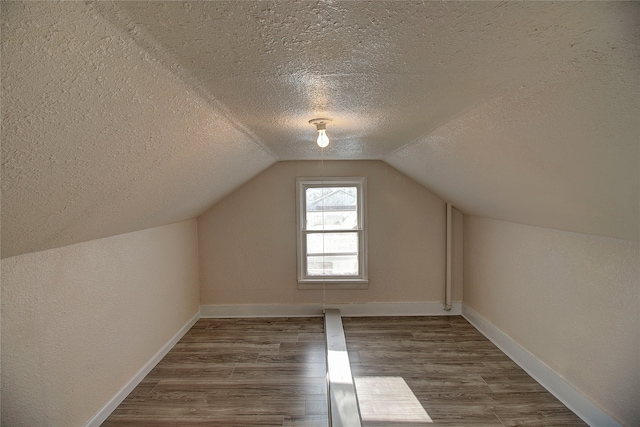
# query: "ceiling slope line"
(61, 226)
(122, 22)
(531, 94)
(486, 101)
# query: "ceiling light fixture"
(321, 126)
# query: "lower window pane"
(332, 265)
(319, 243)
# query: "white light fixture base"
(320, 123)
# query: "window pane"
(335, 265)
(332, 243)
(331, 208)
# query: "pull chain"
(324, 280)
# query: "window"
(332, 239)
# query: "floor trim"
(348, 310)
(113, 403)
(546, 376)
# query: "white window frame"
(318, 282)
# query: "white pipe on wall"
(447, 288)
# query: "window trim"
(318, 282)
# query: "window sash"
(304, 273)
(327, 213)
(331, 254)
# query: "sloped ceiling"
(119, 116)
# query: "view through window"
(332, 243)
(331, 229)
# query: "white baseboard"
(307, 310)
(113, 403)
(547, 377)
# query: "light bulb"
(323, 139)
(321, 126)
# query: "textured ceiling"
(119, 116)
(385, 72)
(98, 138)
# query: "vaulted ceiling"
(119, 116)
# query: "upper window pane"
(331, 208)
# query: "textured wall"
(248, 240)
(79, 321)
(573, 300)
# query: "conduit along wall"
(449, 249)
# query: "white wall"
(572, 300)
(248, 240)
(79, 321)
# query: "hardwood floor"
(409, 371)
(235, 372)
(456, 374)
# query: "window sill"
(332, 284)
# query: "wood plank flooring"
(458, 376)
(235, 372)
(271, 372)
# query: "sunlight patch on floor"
(389, 399)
